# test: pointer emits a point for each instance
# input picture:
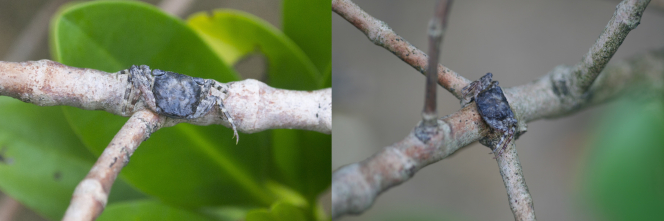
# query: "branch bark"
(437, 27)
(91, 194)
(355, 186)
(382, 35)
(626, 17)
(253, 105)
(518, 195)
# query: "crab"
(176, 95)
(494, 109)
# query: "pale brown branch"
(437, 27)
(253, 105)
(626, 18)
(382, 35)
(91, 194)
(518, 195)
(356, 186)
(541, 99)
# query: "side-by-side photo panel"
(574, 88)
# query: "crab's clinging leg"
(143, 80)
(510, 136)
(230, 120)
(505, 139)
(471, 91)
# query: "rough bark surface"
(253, 105)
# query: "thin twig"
(626, 17)
(356, 186)
(91, 194)
(382, 35)
(518, 195)
(253, 105)
(437, 27)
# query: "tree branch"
(626, 17)
(355, 186)
(437, 27)
(518, 195)
(253, 105)
(91, 194)
(382, 35)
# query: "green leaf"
(234, 34)
(42, 160)
(113, 35)
(280, 211)
(304, 160)
(309, 24)
(625, 173)
(186, 165)
(226, 213)
(148, 210)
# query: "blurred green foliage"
(187, 170)
(624, 174)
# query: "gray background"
(378, 99)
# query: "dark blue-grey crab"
(176, 95)
(493, 107)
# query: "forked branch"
(356, 186)
(253, 105)
(626, 17)
(382, 35)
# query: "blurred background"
(378, 99)
(24, 28)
